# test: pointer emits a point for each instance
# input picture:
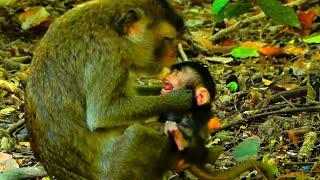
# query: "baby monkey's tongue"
(166, 88)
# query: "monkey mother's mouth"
(168, 87)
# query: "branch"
(282, 111)
(257, 17)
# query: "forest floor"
(273, 95)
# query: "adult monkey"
(79, 97)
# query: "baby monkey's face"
(186, 78)
(177, 79)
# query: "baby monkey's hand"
(171, 127)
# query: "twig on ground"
(13, 128)
(297, 92)
(282, 111)
(182, 53)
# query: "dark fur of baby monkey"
(190, 130)
(83, 115)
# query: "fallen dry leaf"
(251, 44)
(300, 67)
(293, 137)
(227, 43)
(306, 18)
(295, 50)
(266, 82)
(271, 51)
(287, 86)
(213, 124)
(32, 17)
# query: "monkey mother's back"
(56, 101)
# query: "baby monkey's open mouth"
(168, 87)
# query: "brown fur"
(79, 102)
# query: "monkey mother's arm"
(148, 90)
(110, 104)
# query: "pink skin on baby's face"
(178, 79)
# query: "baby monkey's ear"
(202, 95)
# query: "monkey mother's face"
(151, 29)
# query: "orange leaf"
(227, 43)
(306, 18)
(271, 51)
(213, 124)
(293, 137)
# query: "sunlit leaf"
(233, 86)
(312, 39)
(266, 82)
(280, 14)
(241, 52)
(247, 149)
(232, 11)
(217, 5)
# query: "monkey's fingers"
(169, 127)
(179, 140)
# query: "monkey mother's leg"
(139, 154)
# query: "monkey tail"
(232, 173)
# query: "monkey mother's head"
(150, 28)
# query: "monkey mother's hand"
(180, 99)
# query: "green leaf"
(312, 39)
(279, 13)
(242, 52)
(233, 86)
(247, 149)
(217, 5)
(232, 11)
(273, 169)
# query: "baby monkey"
(190, 130)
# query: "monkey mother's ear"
(202, 95)
(123, 22)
